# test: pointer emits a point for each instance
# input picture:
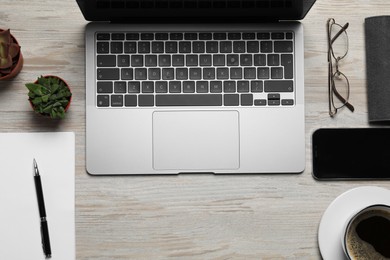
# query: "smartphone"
(351, 153)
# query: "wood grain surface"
(188, 216)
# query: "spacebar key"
(189, 100)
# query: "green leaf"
(45, 98)
(37, 101)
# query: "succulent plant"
(9, 51)
(49, 96)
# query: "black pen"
(42, 212)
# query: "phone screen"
(351, 153)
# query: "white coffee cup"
(366, 233)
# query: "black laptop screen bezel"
(209, 11)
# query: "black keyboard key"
(143, 47)
(168, 74)
(242, 86)
(191, 36)
(274, 102)
(177, 60)
(147, 36)
(234, 36)
(117, 100)
(104, 87)
(164, 60)
(137, 60)
(249, 73)
(157, 47)
(175, 87)
(134, 87)
(274, 96)
(189, 100)
(205, 36)
(276, 73)
(208, 73)
(236, 73)
(195, 73)
(260, 102)
(219, 60)
(278, 86)
(219, 36)
(263, 36)
(130, 100)
(211, 46)
(140, 74)
(229, 86)
(132, 36)
(118, 36)
(150, 60)
(287, 102)
(171, 47)
(154, 73)
(184, 47)
(266, 46)
(246, 60)
(283, 46)
(188, 86)
(238, 46)
(102, 47)
(231, 99)
(162, 36)
(126, 74)
(253, 47)
(198, 47)
(287, 62)
(277, 35)
(246, 99)
(260, 60)
(205, 60)
(248, 36)
(233, 60)
(256, 86)
(176, 36)
(225, 47)
(120, 87)
(116, 47)
(106, 61)
(103, 100)
(129, 47)
(263, 73)
(181, 73)
(202, 87)
(289, 36)
(108, 74)
(146, 100)
(215, 86)
(123, 60)
(161, 86)
(102, 36)
(273, 59)
(192, 60)
(222, 73)
(147, 87)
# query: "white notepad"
(20, 236)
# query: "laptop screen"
(194, 10)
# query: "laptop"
(194, 86)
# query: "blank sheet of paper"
(20, 236)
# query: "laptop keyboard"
(194, 69)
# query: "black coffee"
(375, 230)
(369, 235)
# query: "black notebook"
(377, 34)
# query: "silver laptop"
(194, 86)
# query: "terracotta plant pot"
(66, 84)
(17, 66)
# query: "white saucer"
(332, 222)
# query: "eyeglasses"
(338, 84)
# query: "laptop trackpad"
(196, 140)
